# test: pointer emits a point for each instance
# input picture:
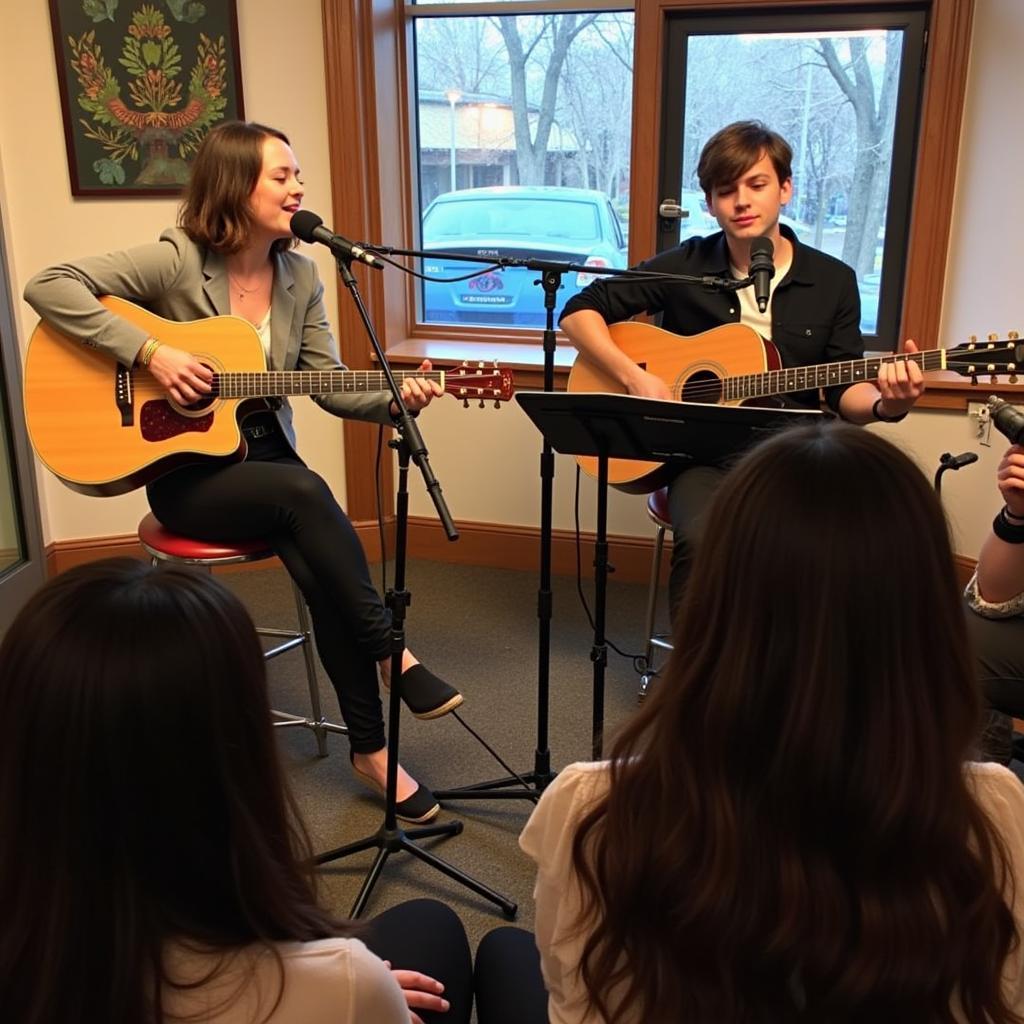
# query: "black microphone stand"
(954, 462)
(531, 784)
(390, 837)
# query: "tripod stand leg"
(370, 881)
(508, 907)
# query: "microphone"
(761, 269)
(310, 228)
(1009, 421)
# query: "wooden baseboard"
(501, 546)
(494, 545)
(487, 544)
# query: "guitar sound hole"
(703, 386)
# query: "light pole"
(453, 96)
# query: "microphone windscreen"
(760, 248)
(304, 223)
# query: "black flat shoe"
(419, 808)
(425, 695)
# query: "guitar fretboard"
(824, 375)
(265, 384)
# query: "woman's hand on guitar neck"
(180, 374)
(645, 385)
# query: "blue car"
(571, 225)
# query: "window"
(844, 90)
(522, 136)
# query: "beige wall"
(486, 460)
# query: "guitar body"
(692, 367)
(95, 446)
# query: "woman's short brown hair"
(735, 148)
(215, 211)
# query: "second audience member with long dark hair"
(790, 829)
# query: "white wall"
(488, 461)
(283, 85)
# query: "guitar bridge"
(123, 394)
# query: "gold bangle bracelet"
(148, 351)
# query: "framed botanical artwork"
(141, 83)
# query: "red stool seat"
(162, 543)
(657, 507)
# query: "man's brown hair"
(735, 148)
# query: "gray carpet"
(479, 629)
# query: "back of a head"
(139, 777)
(793, 791)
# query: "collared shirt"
(815, 308)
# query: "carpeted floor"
(479, 629)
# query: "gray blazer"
(179, 280)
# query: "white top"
(329, 981)
(263, 330)
(750, 315)
(548, 837)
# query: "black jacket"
(815, 308)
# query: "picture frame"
(141, 82)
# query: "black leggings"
(274, 496)
(426, 936)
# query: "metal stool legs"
(303, 637)
(657, 510)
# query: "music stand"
(624, 427)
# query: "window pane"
(523, 133)
(806, 86)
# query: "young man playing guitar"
(813, 312)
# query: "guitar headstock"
(484, 381)
(992, 358)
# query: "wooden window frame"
(370, 96)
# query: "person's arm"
(319, 351)
(65, 296)
(1000, 571)
(588, 332)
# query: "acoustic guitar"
(105, 428)
(734, 365)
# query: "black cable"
(636, 659)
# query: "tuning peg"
(972, 339)
(497, 403)
(1013, 336)
(993, 337)
(993, 379)
(974, 380)
(465, 403)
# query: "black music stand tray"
(623, 427)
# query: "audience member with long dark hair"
(232, 253)
(152, 863)
(790, 829)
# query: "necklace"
(242, 290)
